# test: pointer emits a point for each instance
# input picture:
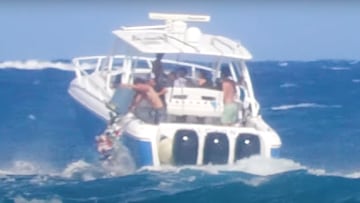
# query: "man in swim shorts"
(231, 109)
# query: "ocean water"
(48, 154)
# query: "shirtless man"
(146, 91)
(230, 112)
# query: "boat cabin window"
(140, 64)
(117, 63)
(115, 80)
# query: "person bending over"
(145, 91)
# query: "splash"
(121, 163)
(255, 165)
(303, 105)
(79, 169)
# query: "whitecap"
(287, 85)
(38, 65)
(31, 117)
(283, 64)
(337, 68)
(303, 105)
(20, 199)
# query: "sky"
(270, 29)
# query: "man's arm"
(136, 100)
(137, 87)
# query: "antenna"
(179, 17)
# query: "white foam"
(303, 105)
(20, 199)
(287, 85)
(256, 165)
(31, 117)
(283, 64)
(121, 162)
(263, 166)
(36, 65)
(22, 168)
(79, 168)
(337, 68)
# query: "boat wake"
(303, 105)
(152, 183)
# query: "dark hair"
(203, 74)
(139, 81)
(182, 71)
(225, 73)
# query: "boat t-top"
(193, 131)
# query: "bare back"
(154, 98)
(229, 91)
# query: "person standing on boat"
(231, 109)
(145, 91)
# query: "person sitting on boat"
(160, 79)
(231, 109)
(203, 80)
(181, 80)
(171, 78)
(145, 91)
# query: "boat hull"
(190, 144)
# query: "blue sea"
(48, 152)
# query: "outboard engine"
(216, 148)
(185, 148)
(246, 146)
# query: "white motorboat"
(192, 134)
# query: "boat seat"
(200, 102)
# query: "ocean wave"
(303, 105)
(354, 62)
(355, 80)
(255, 165)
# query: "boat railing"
(84, 67)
